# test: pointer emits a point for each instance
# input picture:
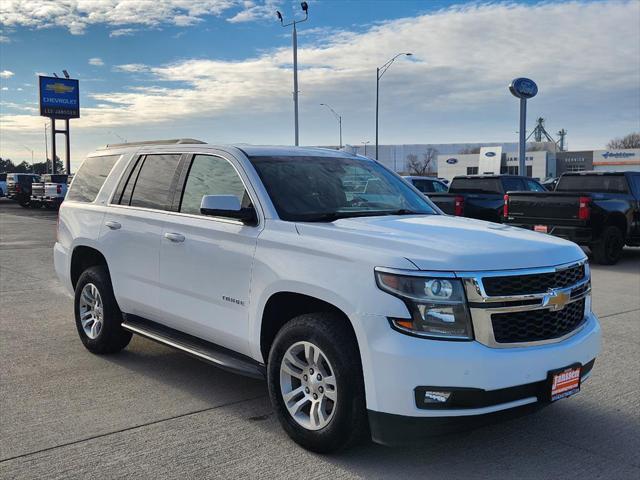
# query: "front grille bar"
(482, 305)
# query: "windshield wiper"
(333, 216)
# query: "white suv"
(367, 309)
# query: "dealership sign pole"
(59, 100)
(523, 88)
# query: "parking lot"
(152, 412)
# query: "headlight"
(437, 305)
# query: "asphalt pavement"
(152, 412)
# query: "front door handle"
(174, 237)
(113, 225)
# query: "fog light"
(437, 397)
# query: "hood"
(442, 242)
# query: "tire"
(609, 249)
(105, 335)
(346, 421)
(24, 204)
(33, 204)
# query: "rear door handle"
(174, 237)
(113, 225)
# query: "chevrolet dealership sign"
(59, 97)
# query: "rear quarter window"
(89, 179)
(593, 183)
(475, 185)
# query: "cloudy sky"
(220, 70)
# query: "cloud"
(6, 74)
(96, 62)
(255, 11)
(454, 88)
(131, 68)
(4, 39)
(77, 15)
(122, 32)
(4, 89)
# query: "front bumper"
(394, 365)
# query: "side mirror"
(227, 206)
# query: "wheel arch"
(617, 219)
(283, 306)
(83, 257)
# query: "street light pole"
(31, 150)
(338, 117)
(305, 9)
(379, 73)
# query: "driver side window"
(209, 175)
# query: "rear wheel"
(98, 318)
(315, 382)
(609, 249)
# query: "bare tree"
(424, 166)
(630, 141)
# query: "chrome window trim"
(256, 205)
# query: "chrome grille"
(519, 308)
(537, 325)
(534, 283)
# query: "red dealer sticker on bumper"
(565, 382)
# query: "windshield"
(327, 188)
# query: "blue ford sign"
(523, 88)
(452, 161)
(490, 154)
(59, 97)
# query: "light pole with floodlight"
(379, 73)
(338, 117)
(305, 9)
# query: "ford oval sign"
(452, 161)
(490, 154)
(523, 88)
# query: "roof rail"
(174, 141)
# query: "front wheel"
(315, 382)
(609, 249)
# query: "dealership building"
(542, 160)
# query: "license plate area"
(541, 228)
(564, 382)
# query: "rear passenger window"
(512, 184)
(534, 186)
(89, 179)
(211, 175)
(154, 185)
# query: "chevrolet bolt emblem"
(59, 88)
(556, 299)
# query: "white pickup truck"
(50, 191)
(368, 313)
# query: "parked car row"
(35, 191)
(598, 210)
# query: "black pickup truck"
(600, 210)
(481, 196)
(19, 187)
